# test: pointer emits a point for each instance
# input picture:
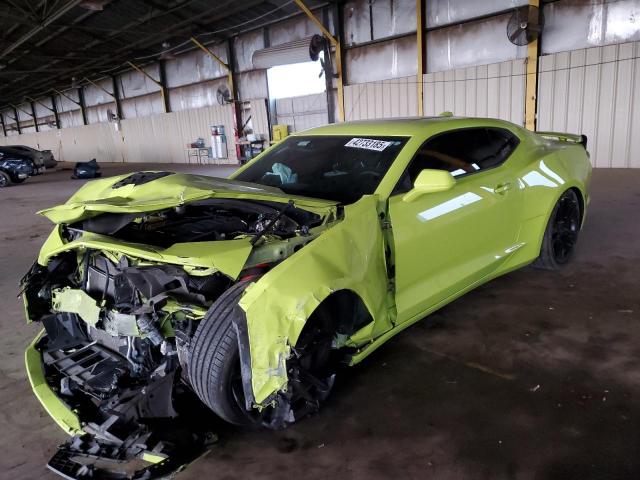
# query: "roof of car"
(409, 126)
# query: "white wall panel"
(295, 28)
(135, 84)
(396, 97)
(142, 106)
(384, 60)
(475, 43)
(244, 45)
(253, 85)
(196, 96)
(97, 96)
(99, 113)
(571, 25)
(195, 66)
(596, 92)
(64, 104)
(41, 110)
(444, 12)
(72, 118)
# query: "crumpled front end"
(107, 365)
(120, 288)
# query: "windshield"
(341, 168)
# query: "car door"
(446, 241)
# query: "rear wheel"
(215, 374)
(5, 180)
(561, 235)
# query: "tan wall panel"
(303, 112)
(596, 92)
(384, 99)
(158, 138)
(495, 91)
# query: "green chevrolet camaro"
(165, 296)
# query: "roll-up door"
(285, 54)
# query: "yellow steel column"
(531, 98)
(420, 40)
(336, 43)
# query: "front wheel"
(5, 180)
(215, 374)
(561, 235)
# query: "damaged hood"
(149, 191)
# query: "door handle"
(502, 188)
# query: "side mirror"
(430, 181)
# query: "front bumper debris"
(104, 450)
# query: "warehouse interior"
(532, 375)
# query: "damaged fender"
(348, 256)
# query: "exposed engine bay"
(206, 220)
(118, 328)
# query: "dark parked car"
(42, 158)
(15, 167)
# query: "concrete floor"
(535, 375)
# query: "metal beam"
(163, 85)
(67, 97)
(83, 106)
(34, 31)
(116, 96)
(35, 117)
(39, 103)
(229, 70)
(337, 44)
(531, 96)
(17, 119)
(100, 88)
(55, 112)
(237, 108)
(163, 93)
(420, 24)
(16, 108)
(4, 128)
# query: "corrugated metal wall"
(303, 112)
(158, 138)
(495, 90)
(397, 97)
(595, 91)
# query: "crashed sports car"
(163, 294)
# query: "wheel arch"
(349, 309)
(547, 217)
(345, 265)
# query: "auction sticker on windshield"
(368, 144)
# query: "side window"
(461, 152)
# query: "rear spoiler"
(565, 137)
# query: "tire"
(214, 362)
(214, 366)
(5, 180)
(561, 235)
